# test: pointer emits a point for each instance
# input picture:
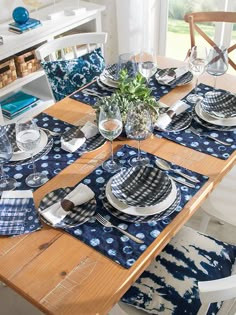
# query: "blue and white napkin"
(18, 214)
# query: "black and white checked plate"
(78, 215)
(141, 211)
(221, 105)
(90, 144)
(231, 121)
(142, 219)
(209, 125)
(183, 80)
(178, 123)
(141, 186)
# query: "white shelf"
(19, 82)
(36, 83)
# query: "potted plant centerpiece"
(131, 90)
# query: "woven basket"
(7, 72)
(26, 63)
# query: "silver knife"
(182, 181)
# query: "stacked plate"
(141, 194)
(109, 77)
(217, 111)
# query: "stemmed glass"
(127, 62)
(147, 65)
(6, 183)
(110, 127)
(139, 127)
(197, 65)
(28, 138)
(217, 63)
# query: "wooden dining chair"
(72, 61)
(197, 19)
(192, 275)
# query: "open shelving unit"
(36, 83)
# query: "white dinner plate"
(213, 120)
(21, 155)
(107, 81)
(141, 211)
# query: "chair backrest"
(196, 18)
(216, 291)
(79, 44)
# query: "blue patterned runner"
(53, 161)
(203, 144)
(111, 242)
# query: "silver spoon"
(166, 167)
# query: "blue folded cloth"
(18, 214)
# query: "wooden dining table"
(60, 274)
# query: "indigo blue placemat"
(203, 144)
(52, 162)
(111, 242)
(158, 91)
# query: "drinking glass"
(110, 127)
(197, 64)
(147, 65)
(6, 183)
(139, 127)
(127, 62)
(217, 63)
(28, 138)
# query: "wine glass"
(147, 64)
(217, 63)
(197, 64)
(110, 127)
(139, 127)
(28, 138)
(6, 183)
(127, 62)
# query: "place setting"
(207, 126)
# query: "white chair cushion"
(169, 286)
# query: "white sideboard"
(62, 22)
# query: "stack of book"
(18, 103)
(21, 28)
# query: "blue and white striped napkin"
(18, 214)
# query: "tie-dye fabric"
(67, 76)
(169, 286)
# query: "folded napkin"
(167, 79)
(79, 137)
(57, 212)
(14, 208)
(165, 119)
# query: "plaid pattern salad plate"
(221, 105)
(141, 211)
(141, 186)
(76, 216)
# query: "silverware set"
(201, 134)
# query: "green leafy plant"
(130, 91)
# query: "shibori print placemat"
(111, 242)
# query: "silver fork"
(106, 223)
(52, 133)
(198, 133)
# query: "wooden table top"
(61, 275)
